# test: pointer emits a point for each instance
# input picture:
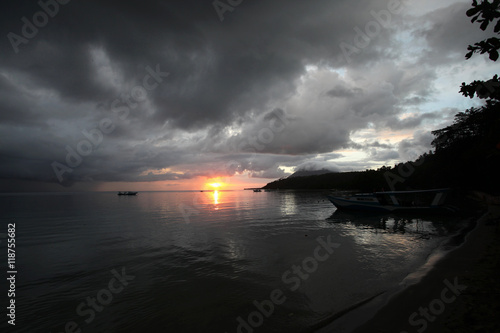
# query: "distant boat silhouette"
(127, 193)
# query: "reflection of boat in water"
(395, 201)
(371, 220)
(412, 223)
(127, 193)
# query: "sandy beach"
(459, 294)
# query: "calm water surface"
(198, 262)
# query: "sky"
(175, 95)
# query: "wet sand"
(458, 291)
(460, 294)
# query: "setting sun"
(215, 185)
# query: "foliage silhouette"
(484, 13)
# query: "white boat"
(395, 201)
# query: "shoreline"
(475, 259)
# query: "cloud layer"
(114, 91)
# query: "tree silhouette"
(485, 13)
(469, 149)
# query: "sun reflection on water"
(216, 198)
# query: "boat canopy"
(412, 192)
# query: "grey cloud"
(383, 155)
(412, 121)
(411, 149)
(317, 165)
(343, 92)
(238, 97)
(367, 145)
(415, 100)
(331, 156)
(448, 32)
(270, 174)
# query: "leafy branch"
(485, 12)
(483, 89)
(490, 46)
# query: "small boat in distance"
(127, 193)
(257, 190)
(395, 201)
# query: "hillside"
(365, 181)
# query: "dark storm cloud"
(225, 97)
(217, 69)
(15, 109)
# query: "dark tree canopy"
(472, 129)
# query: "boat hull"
(350, 205)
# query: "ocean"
(223, 261)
